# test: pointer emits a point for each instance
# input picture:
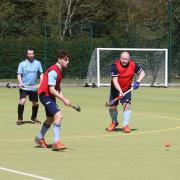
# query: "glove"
(136, 85)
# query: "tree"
(7, 11)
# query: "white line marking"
(23, 173)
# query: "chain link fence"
(80, 40)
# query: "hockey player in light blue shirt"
(27, 74)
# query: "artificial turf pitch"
(93, 153)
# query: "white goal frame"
(131, 49)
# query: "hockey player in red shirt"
(122, 72)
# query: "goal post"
(153, 61)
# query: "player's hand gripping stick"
(117, 98)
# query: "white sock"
(126, 117)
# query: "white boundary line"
(23, 173)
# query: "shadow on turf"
(25, 122)
(121, 130)
(50, 147)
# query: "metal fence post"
(170, 39)
(45, 45)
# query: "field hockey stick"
(117, 98)
(77, 108)
(17, 86)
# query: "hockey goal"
(153, 61)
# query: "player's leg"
(126, 102)
(45, 127)
(22, 101)
(33, 97)
(113, 112)
(57, 145)
(53, 116)
(48, 103)
(126, 117)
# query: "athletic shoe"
(126, 129)
(112, 126)
(40, 142)
(35, 121)
(58, 146)
(19, 122)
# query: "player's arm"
(19, 79)
(114, 74)
(141, 76)
(59, 95)
(117, 86)
(41, 74)
(40, 79)
(19, 72)
(140, 73)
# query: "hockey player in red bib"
(122, 72)
(48, 92)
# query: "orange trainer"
(126, 129)
(58, 146)
(40, 142)
(112, 126)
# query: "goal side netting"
(153, 61)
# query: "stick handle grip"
(118, 97)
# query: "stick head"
(7, 85)
(78, 108)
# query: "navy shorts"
(33, 96)
(50, 105)
(114, 93)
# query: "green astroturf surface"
(93, 153)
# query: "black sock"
(20, 111)
(34, 112)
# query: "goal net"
(153, 61)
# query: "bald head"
(125, 55)
(125, 58)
